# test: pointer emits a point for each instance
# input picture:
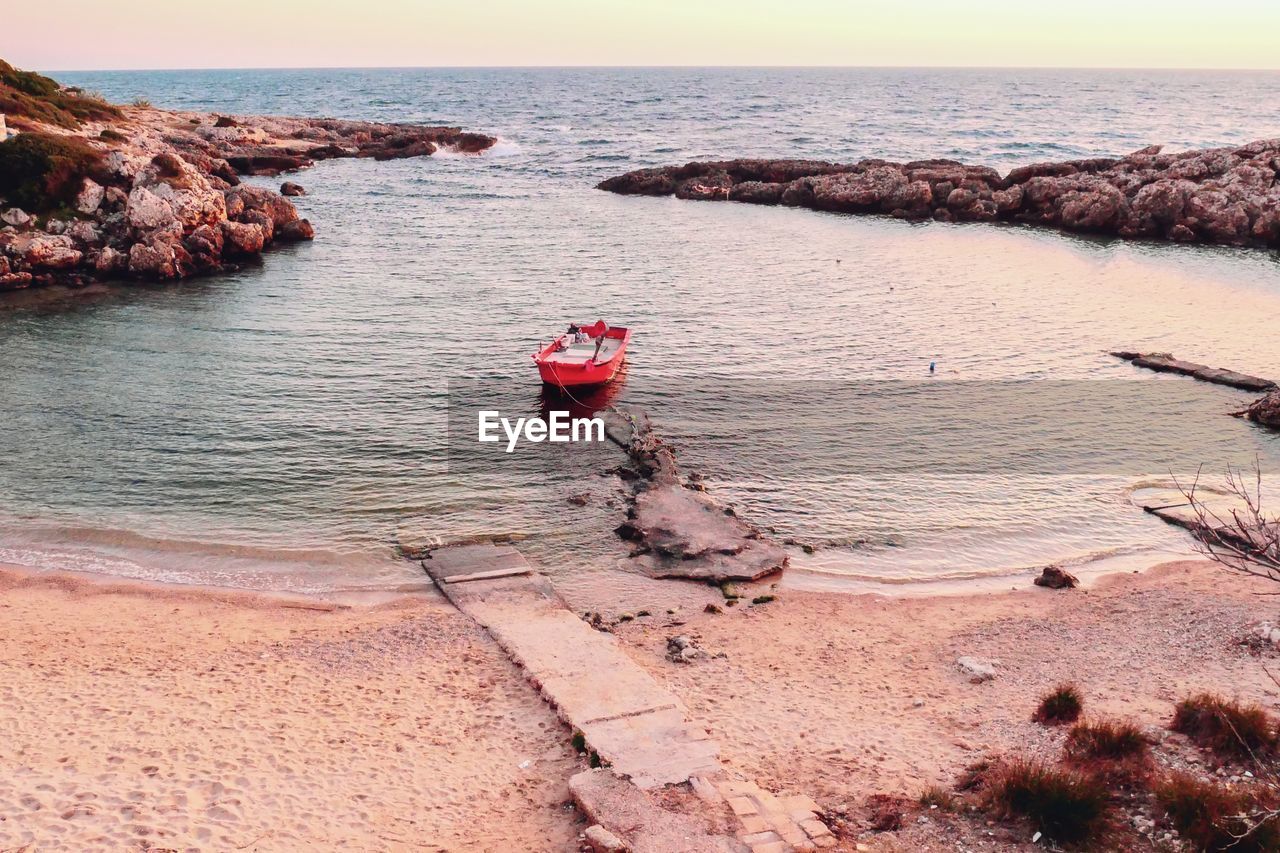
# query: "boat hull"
(570, 376)
(561, 374)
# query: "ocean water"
(287, 426)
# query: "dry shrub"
(1117, 752)
(1068, 806)
(887, 812)
(40, 171)
(1061, 705)
(1225, 726)
(1213, 816)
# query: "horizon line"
(670, 67)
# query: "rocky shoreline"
(92, 191)
(1225, 196)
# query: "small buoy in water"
(933, 365)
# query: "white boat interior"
(586, 351)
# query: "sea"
(848, 384)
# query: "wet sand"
(136, 715)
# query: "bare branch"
(1241, 538)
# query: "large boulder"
(297, 230)
(85, 233)
(1158, 207)
(242, 238)
(1265, 410)
(15, 216)
(191, 198)
(46, 251)
(90, 197)
(1213, 214)
(154, 258)
(246, 198)
(146, 211)
(111, 262)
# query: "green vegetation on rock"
(43, 171)
(26, 94)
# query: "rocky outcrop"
(269, 145)
(1227, 196)
(163, 199)
(1163, 362)
(1265, 410)
(677, 531)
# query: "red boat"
(583, 356)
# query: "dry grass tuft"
(1217, 817)
(1227, 727)
(1068, 806)
(1062, 705)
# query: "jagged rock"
(91, 195)
(205, 245)
(242, 238)
(1056, 577)
(263, 221)
(85, 233)
(1265, 410)
(166, 200)
(110, 261)
(756, 192)
(298, 229)
(15, 280)
(115, 198)
(183, 189)
(46, 251)
(153, 259)
(146, 211)
(250, 198)
(289, 188)
(15, 216)
(855, 191)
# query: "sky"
(53, 35)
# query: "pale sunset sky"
(100, 34)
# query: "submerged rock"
(1228, 196)
(681, 532)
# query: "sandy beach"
(137, 717)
